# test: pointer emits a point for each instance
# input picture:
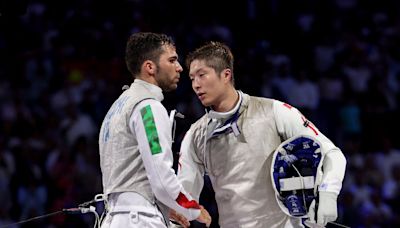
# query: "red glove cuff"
(184, 202)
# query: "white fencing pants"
(131, 210)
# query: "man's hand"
(326, 211)
(175, 216)
(204, 217)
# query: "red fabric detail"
(312, 128)
(184, 202)
(310, 125)
(287, 106)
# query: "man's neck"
(147, 78)
(228, 103)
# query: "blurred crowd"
(62, 65)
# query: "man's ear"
(227, 75)
(149, 67)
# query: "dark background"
(62, 66)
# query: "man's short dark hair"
(215, 54)
(144, 46)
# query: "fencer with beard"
(135, 142)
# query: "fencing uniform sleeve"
(151, 125)
(290, 122)
(190, 169)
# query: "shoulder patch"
(151, 130)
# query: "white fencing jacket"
(135, 150)
(235, 149)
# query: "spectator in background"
(304, 94)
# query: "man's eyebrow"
(197, 71)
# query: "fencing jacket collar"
(224, 122)
(155, 90)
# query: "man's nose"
(195, 84)
(179, 67)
